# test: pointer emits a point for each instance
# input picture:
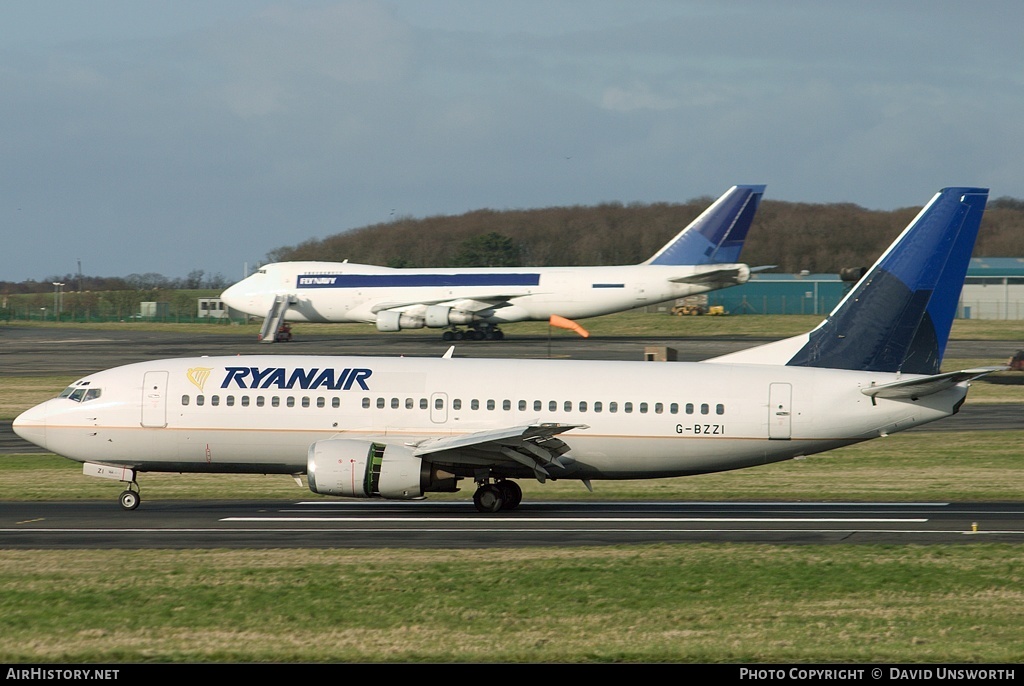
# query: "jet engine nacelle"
(440, 316)
(366, 469)
(390, 320)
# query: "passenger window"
(689, 408)
(643, 408)
(245, 401)
(215, 400)
(275, 401)
(409, 405)
(380, 403)
(674, 408)
(719, 409)
(583, 406)
(423, 403)
(474, 404)
(200, 400)
(704, 408)
(506, 405)
(321, 402)
(184, 400)
(567, 405)
(537, 406)
(627, 407)
(260, 401)
(290, 401)
(305, 401)
(658, 408)
(522, 406)
(229, 401)
(366, 403)
(552, 406)
(439, 403)
(335, 402)
(613, 406)
(457, 404)
(490, 404)
(597, 406)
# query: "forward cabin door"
(780, 396)
(154, 400)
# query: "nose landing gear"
(131, 498)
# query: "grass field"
(663, 603)
(687, 603)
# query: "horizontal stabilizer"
(732, 274)
(927, 385)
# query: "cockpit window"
(80, 394)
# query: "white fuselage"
(260, 414)
(348, 292)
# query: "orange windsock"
(564, 323)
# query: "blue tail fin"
(898, 316)
(717, 235)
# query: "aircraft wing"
(730, 273)
(535, 446)
(491, 302)
(927, 385)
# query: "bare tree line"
(819, 238)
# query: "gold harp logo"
(198, 376)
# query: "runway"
(77, 352)
(424, 524)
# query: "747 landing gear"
(501, 495)
(477, 333)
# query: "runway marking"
(527, 520)
(681, 503)
(993, 532)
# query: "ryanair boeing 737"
(700, 258)
(372, 427)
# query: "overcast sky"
(173, 135)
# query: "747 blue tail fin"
(897, 318)
(717, 235)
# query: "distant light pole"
(56, 299)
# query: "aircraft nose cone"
(242, 298)
(31, 426)
(232, 296)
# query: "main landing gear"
(501, 495)
(477, 333)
